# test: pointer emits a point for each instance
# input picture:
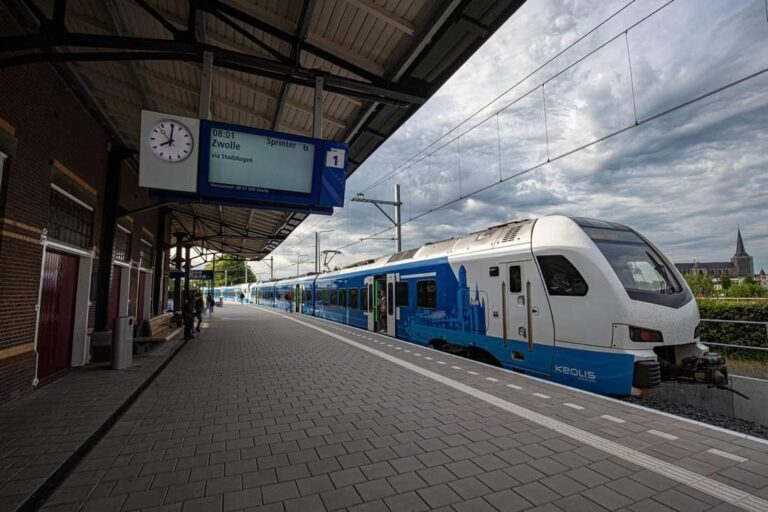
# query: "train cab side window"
(342, 297)
(426, 295)
(353, 298)
(515, 280)
(401, 294)
(561, 276)
(364, 298)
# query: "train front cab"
(635, 308)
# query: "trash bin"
(122, 342)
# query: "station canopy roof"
(379, 59)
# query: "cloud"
(686, 180)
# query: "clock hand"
(170, 139)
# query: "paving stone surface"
(262, 413)
(43, 429)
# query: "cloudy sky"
(686, 179)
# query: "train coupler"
(709, 369)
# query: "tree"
(700, 284)
(746, 288)
(231, 268)
(726, 282)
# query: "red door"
(114, 295)
(57, 312)
(140, 305)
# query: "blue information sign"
(203, 275)
(249, 165)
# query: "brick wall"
(47, 123)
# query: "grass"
(746, 363)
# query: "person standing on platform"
(188, 312)
(199, 309)
(210, 303)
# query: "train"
(583, 302)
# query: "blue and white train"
(583, 302)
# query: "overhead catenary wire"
(635, 122)
(514, 86)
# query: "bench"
(155, 330)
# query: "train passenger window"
(390, 306)
(326, 296)
(343, 298)
(561, 276)
(364, 298)
(426, 294)
(334, 296)
(515, 279)
(401, 294)
(353, 298)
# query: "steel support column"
(108, 225)
(177, 279)
(318, 112)
(187, 262)
(158, 276)
(206, 80)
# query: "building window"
(69, 219)
(148, 258)
(122, 247)
(426, 294)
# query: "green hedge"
(736, 334)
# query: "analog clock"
(171, 141)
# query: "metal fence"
(732, 346)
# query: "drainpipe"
(43, 239)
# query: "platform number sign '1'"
(334, 158)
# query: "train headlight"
(697, 332)
(641, 335)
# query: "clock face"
(171, 141)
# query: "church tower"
(742, 262)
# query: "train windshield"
(645, 274)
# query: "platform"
(277, 411)
(43, 433)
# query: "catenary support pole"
(398, 222)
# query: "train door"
(367, 299)
(526, 317)
(391, 306)
(380, 304)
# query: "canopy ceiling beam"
(141, 48)
(384, 15)
(302, 28)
